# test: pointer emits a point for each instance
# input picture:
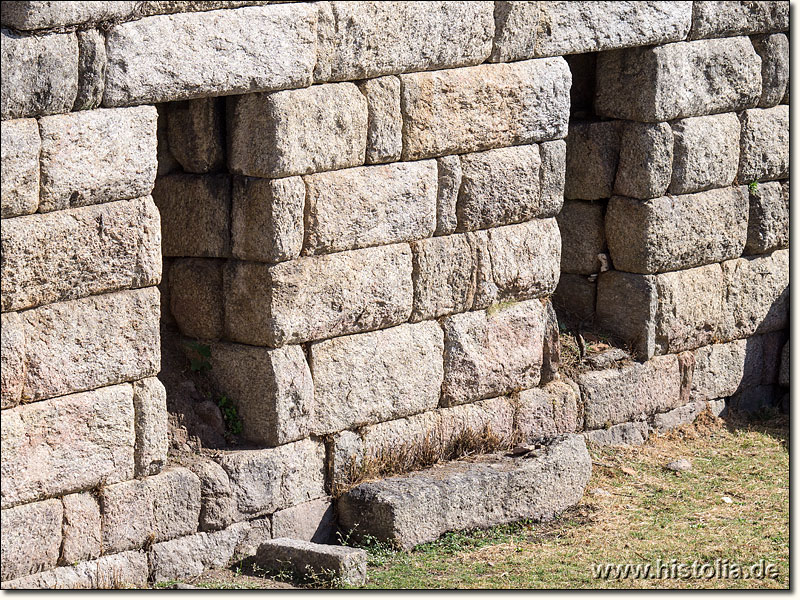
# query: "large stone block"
(67, 444)
(117, 571)
(677, 232)
(549, 410)
(264, 481)
(532, 29)
(85, 344)
(583, 236)
(479, 108)
(768, 225)
(370, 206)
(764, 153)
(152, 509)
(645, 160)
(12, 359)
(78, 252)
(28, 16)
(19, 167)
(97, 156)
(683, 79)
(726, 18)
(82, 538)
(318, 297)
(352, 388)
(774, 52)
(272, 390)
(210, 54)
(319, 561)
(592, 157)
(493, 352)
(195, 214)
(196, 297)
(31, 538)
(196, 134)
(216, 496)
(706, 153)
(294, 132)
(150, 410)
(39, 75)
(385, 129)
(91, 69)
(369, 39)
(313, 521)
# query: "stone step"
(411, 509)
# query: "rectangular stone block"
(645, 160)
(385, 128)
(583, 236)
(624, 434)
(40, 74)
(82, 538)
(682, 79)
(592, 156)
(271, 389)
(774, 52)
(618, 395)
(677, 232)
(353, 389)
(196, 298)
(493, 352)
(97, 156)
(28, 16)
(19, 167)
(85, 344)
(370, 206)
(726, 18)
(532, 29)
(91, 69)
(295, 132)
(549, 410)
(479, 108)
(210, 54)
(307, 559)
(764, 153)
(264, 481)
(682, 415)
(31, 538)
(153, 509)
(318, 297)
(216, 496)
(195, 214)
(12, 359)
(449, 168)
(313, 521)
(150, 410)
(768, 225)
(705, 153)
(364, 40)
(196, 134)
(74, 253)
(118, 571)
(67, 444)
(575, 297)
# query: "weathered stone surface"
(411, 509)
(531, 29)
(624, 434)
(91, 69)
(195, 297)
(294, 132)
(67, 444)
(117, 571)
(774, 52)
(196, 134)
(40, 74)
(784, 376)
(97, 156)
(583, 236)
(267, 218)
(575, 296)
(82, 539)
(85, 344)
(12, 359)
(258, 531)
(19, 167)
(613, 396)
(28, 16)
(706, 153)
(150, 410)
(719, 370)
(677, 232)
(348, 565)
(764, 151)
(196, 213)
(684, 79)
(385, 128)
(264, 481)
(489, 106)
(768, 225)
(272, 390)
(216, 496)
(370, 206)
(645, 160)
(592, 156)
(449, 183)
(722, 19)
(381, 38)
(682, 415)
(549, 410)
(313, 521)
(489, 353)
(31, 537)
(318, 297)
(554, 167)
(79, 252)
(210, 54)
(149, 8)
(353, 389)
(152, 509)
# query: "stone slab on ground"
(349, 565)
(419, 507)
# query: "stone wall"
(364, 209)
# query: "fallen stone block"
(645, 160)
(726, 18)
(768, 225)
(116, 571)
(385, 129)
(624, 434)
(583, 237)
(764, 153)
(317, 561)
(408, 510)
(592, 157)
(19, 167)
(774, 52)
(82, 524)
(313, 521)
(195, 134)
(31, 537)
(29, 16)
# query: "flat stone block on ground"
(348, 565)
